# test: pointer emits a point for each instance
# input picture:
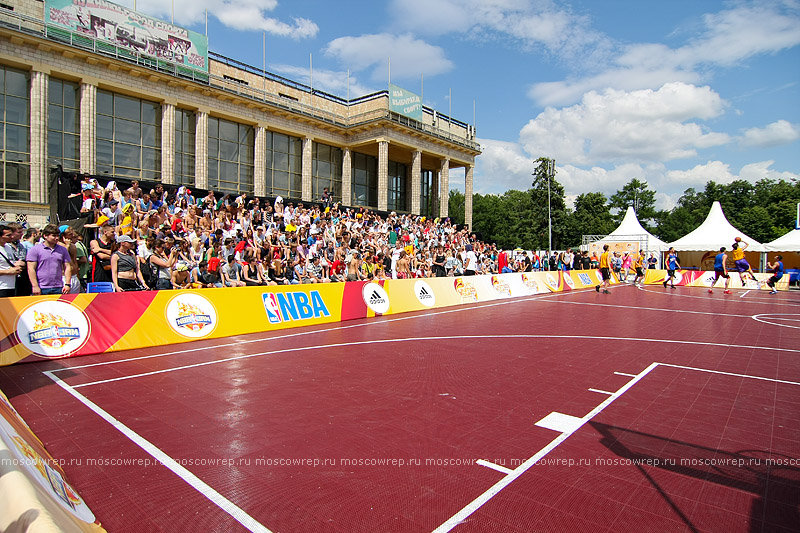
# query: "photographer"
(162, 263)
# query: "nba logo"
(271, 307)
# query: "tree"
(455, 207)
(638, 195)
(590, 217)
(547, 195)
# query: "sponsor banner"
(128, 29)
(405, 102)
(596, 248)
(701, 278)
(50, 327)
(47, 491)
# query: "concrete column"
(201, 150)
(308, 152)
(39, 171)
(347, 177)
(168, 143)
(89, 126)
(383, 174)
(416, 181)
(468, 196)
(444, 188)
(260, 163)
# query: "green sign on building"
(405, 102)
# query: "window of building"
(231, 147)
(15, 128)
(426, 194)
(128, 136)
(326, 171)
(185, 124)
(63, 124)
(365, 180)
(396, 200)
(284, 162)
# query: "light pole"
(549, 170)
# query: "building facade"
(76, 101)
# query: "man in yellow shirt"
(605, 270)
(638, 265)
(741, 263)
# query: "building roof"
(714, 233)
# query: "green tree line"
(764, 210)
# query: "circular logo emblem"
(424, 293)
(53, 328)
(375, 297)
(551, 281)
(568, 280)
(191, 315)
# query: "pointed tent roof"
(787, 243)
(713, 233)
(631, 227)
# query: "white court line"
(764, 301)
(625, 374)
(372, 322)
(475, 504)
(745, 294)
(215, 497)
(731, 374)
(434, 338)
(681, 311)
(494, 466)
(602, 391)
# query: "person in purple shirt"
(49, 264)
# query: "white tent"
(787, 243)
(714, 233)
(631, 230)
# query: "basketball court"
(641, 410)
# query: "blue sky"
(675, 93)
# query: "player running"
(777, 273)
(721, 270)
(672, 266)
(742, 265)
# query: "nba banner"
(52, 327)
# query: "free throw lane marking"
(494, 466)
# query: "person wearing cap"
(125, 227)
(126, 275)
(49, 264)
(113, 212)
(471, 261)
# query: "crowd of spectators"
(154, 239)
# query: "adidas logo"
(376, 298)
(423, 294)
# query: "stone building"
(94, 106)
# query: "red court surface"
(641, 410)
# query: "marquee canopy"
(630, 229)
(787, 243)
(714, 233)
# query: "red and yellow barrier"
(48, 327)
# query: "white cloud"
(620, 126)
(330, 81)
(726, 38)
(760, 170)
(410, 57)
(700, 174)
(502, 166)
(248, 15)
(775, 134)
